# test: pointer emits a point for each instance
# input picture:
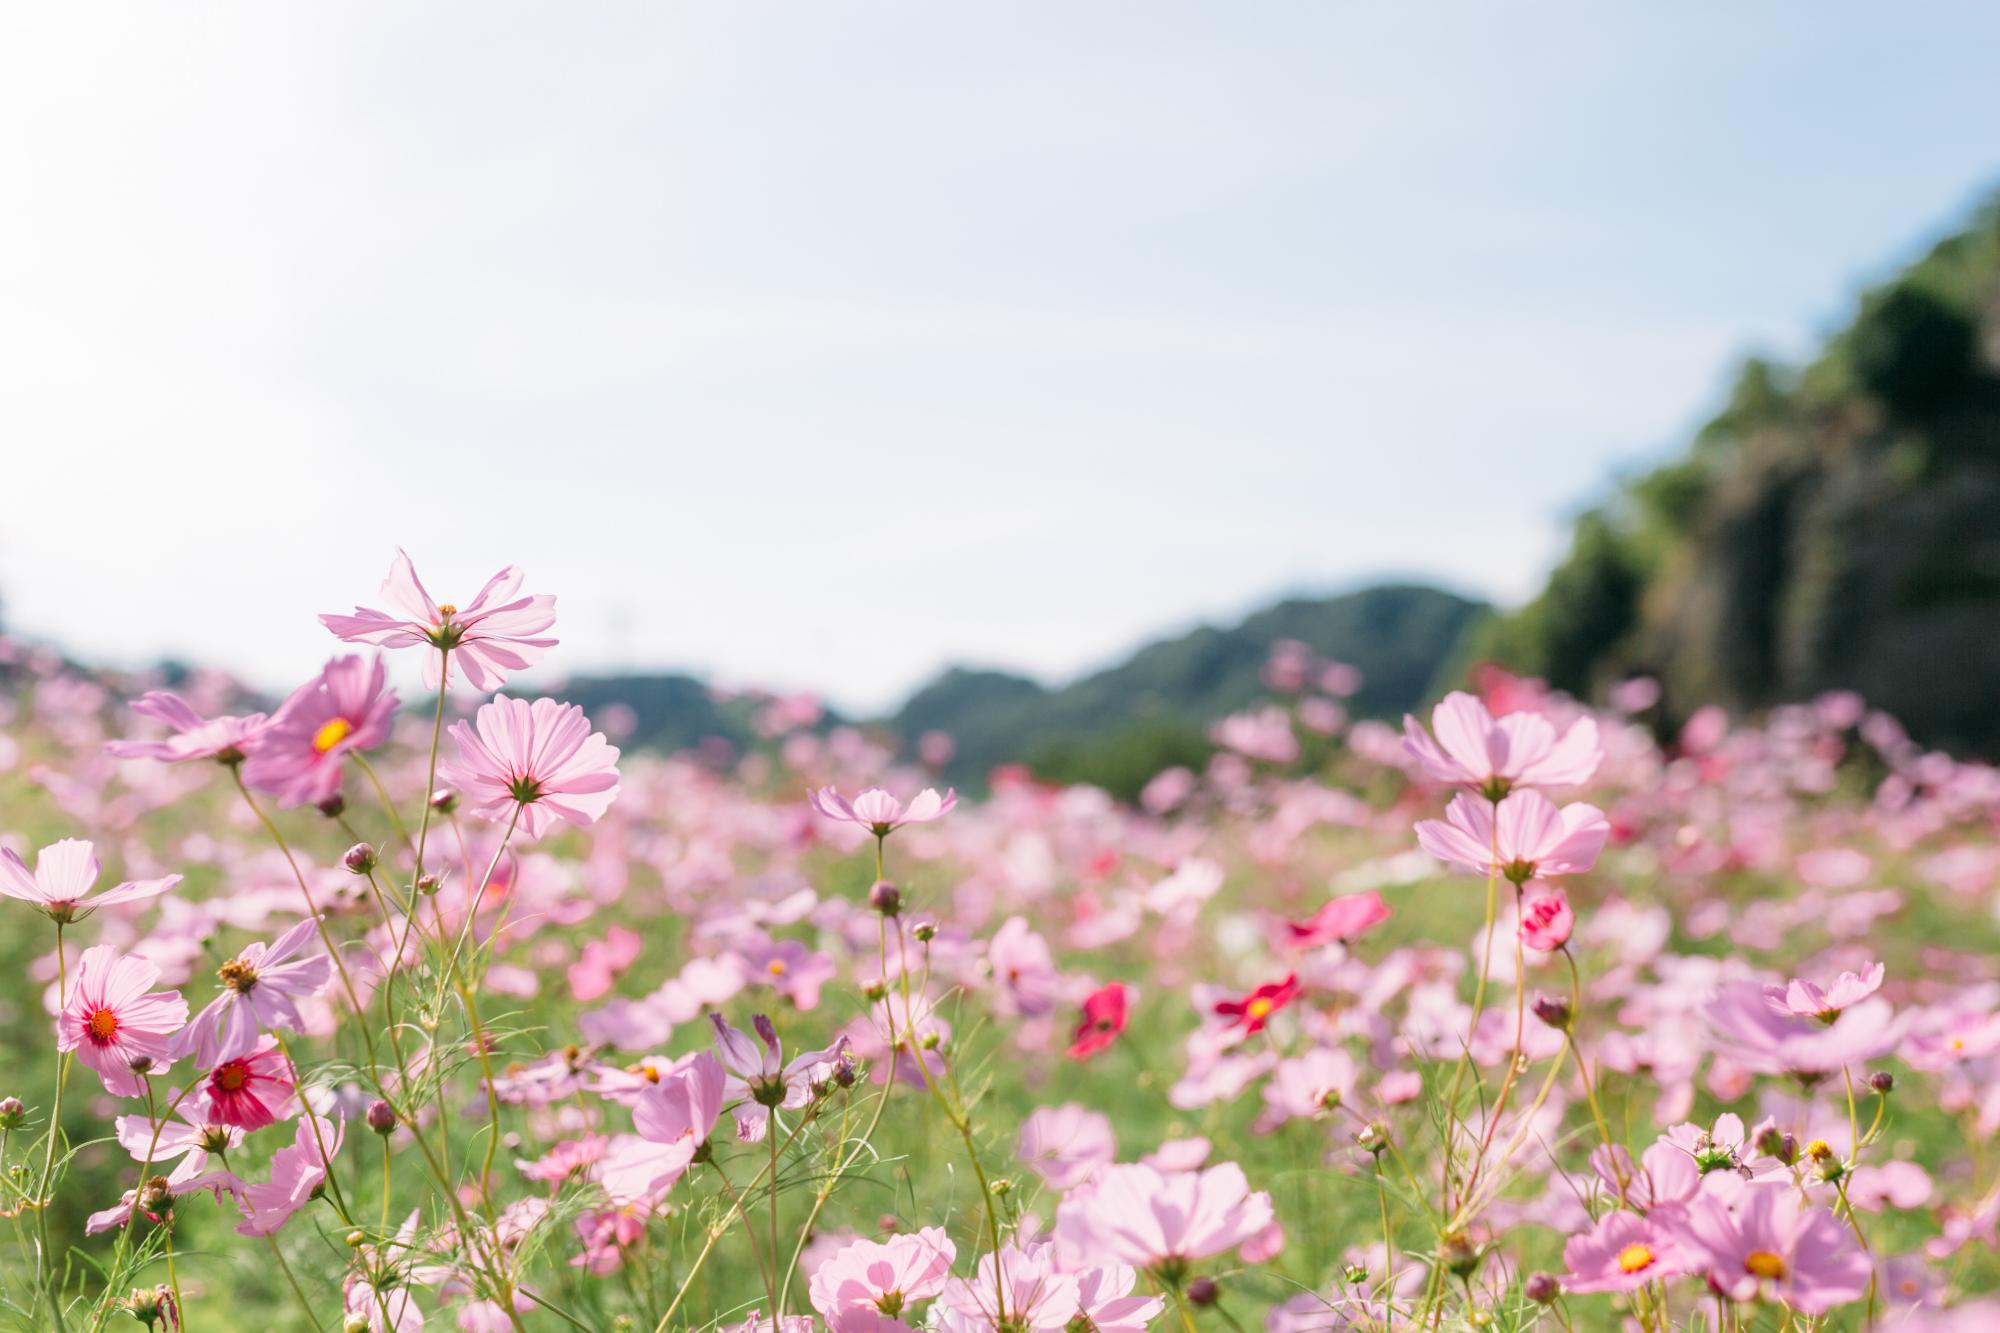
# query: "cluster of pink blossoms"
(645, 1041)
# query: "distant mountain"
(1835, 527)
(1152, 709)
(1161, 698)
(668, 712)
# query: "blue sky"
(825, 344)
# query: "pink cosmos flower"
(1065, 1145)
(865, 1286)
(224, 739)
(191, 1133)
(1755, 1035)
(1493, 757)
(1773, 1246)
(677, 1113)
(790, 967)
(252, 1090)
(1024, 967)
(114, 1025)
(759, 1322)
(347, 707)
(296, 1171)
(1546, 921)
(1530, 838)
(879, 812)
(1623, 1252)
(1136, 1215)
(540, 759)
(1017, 1290)
(1807, 1000)
(497, 632)
(62, 878)
(261, 989)
(1104, 1297)
(765, 1079)
(1339, 920)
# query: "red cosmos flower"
(1255, 1009)
(1104, 1017)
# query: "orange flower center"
(1763, 1263)
(776, 967)
(1634, 1257)
(103, 1023)
(232, 1076)
(332, 733)
(446, 610)
(1259, 1008)
(238, 975)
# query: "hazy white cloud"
(822, 345)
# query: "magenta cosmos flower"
(541, 759)
(1494, 756)
(879, 812)
(347, 707)
(1772, 1246)
(115, 1023)
(252, 1090)
(1523, 837)
(224, 739)
(1623, 1252)
(61, 881)
(1138, 1216)
(261, 989)
(1547, 920)
(866, 1286)
(496, 633)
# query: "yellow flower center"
(1957, 1044)
(332, 733)
(103, 1023)
(446, 611)
(776, 967)
(1634, 1257)
(1764, 1264)
(1819, 1150)
(238, 975)
(1259, 1008)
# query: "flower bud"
(1542, 1288)
(12, 1113)
(359, 859)
(1372, 1137)
(925, 931)
(1002, 1186)
(929, 1041)
(356, 1239)
(1882, 1082)
(381, 1116)
(428, 884)
(874, 990)
(334, 806)
(1460, 1256)
(885, 898)
(354, 1323)
(1203, 1292)
(1354, 1275)
(1554, 1011)
(444, 802)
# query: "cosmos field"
(439, 1011)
